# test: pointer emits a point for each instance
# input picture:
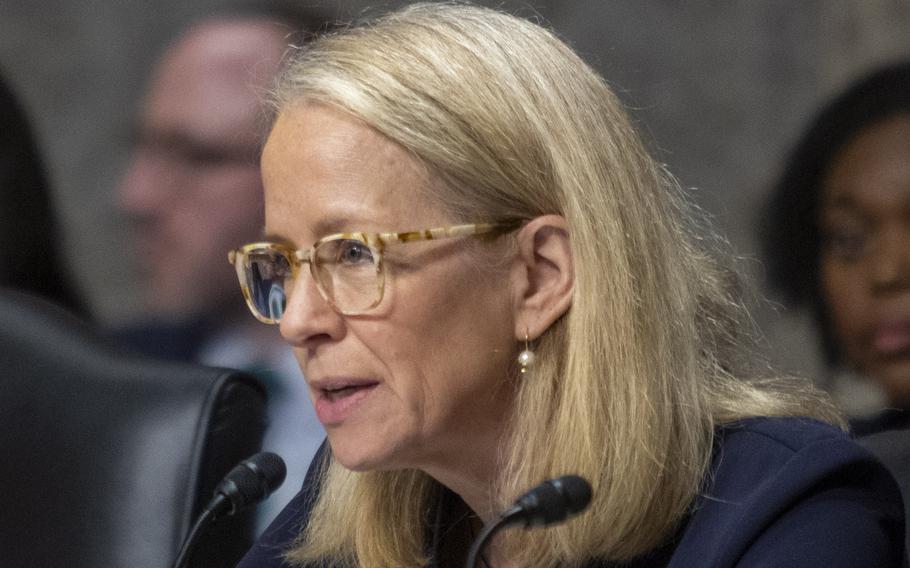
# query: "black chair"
(106, 458)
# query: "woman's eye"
(847, 244)
(273, 267)
(354, 252)
(282, 268)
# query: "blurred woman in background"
(837, 235)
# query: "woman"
(558, 318)
(838, 234)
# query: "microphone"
(549, 503)
(250, 482)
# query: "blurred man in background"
(192, 191)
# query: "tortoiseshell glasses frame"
(347, 267)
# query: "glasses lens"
(266, 273)
(348, 273)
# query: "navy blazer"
(782, 492)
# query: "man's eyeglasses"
(347, 267)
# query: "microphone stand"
(506, 519)
(184, 555)
(251, 481)
(551, 502)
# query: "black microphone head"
(575, 490)
(252, 480)
(554, 501)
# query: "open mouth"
(337, 393)
(339, 400)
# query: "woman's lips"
(338, 399)
(891, 338)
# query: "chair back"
(107, 457)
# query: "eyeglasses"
(347, 267)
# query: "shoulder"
(792, 432)
(758, 447)
(759, 455)
(886, 420)
(794, 492)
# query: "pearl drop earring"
(525, 358)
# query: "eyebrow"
(275, 238)
(323, 227)
(336, 224)
(839, 201)
(186, 141)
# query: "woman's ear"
(543, 276)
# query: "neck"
(474, 483)
(469, 461)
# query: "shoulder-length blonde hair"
(630, 385)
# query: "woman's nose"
(891, 260)
(308, 318)
(147, 186)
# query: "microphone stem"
(489, 531)
(202, 522)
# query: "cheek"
(225, 208)
(846, 299)
(450, 328)
(454, 339)
(240, 194)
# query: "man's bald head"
(193, 188)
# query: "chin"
(355, 456)
(363, 454)
(896, 382)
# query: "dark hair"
(790, 232)
(30, 243)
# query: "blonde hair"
(631, 383)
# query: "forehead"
(207, 84)
(325, 171)
(873, 167)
